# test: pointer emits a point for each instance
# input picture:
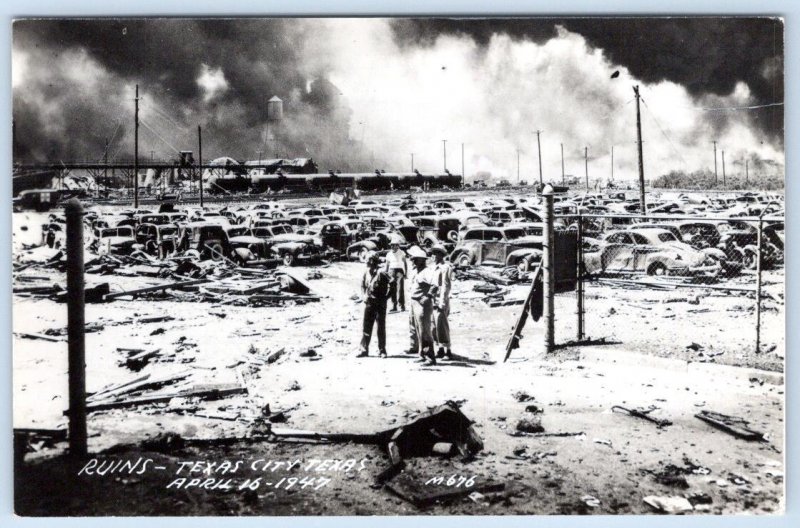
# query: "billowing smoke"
(366, 93)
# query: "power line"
(158, 136)
(674, 149)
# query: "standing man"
(422, 293)
(374, 291)
(397, 267)
(441, 304)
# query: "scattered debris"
(669, 505)
(413, 489)
(643, 414)
(591, 501)
(733, 425)
(530, 425)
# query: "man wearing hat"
(397, 268)
(422, 293)
(441, 304)
(374, 291)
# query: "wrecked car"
(652, 251)
(500, 246)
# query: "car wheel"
(750, 260)
(524, 265)
(464, 260)
(657, 268)
(288, 259)
(215, 251)
(363, 255)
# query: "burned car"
(290, 247)
(218, 242)
(113, 240)
(437, 230)
(739, 241)
(501, 246)
(160, 240)
(652, 251)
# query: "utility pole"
(715, 162)
(463, 175)
(136, 152)
(539, 144)
(412, 162)
(200, 158)
(517, 166)
(723, 168)
(612, 162)
(152, 155)
(642, 204)
(563, 176)
(105, 162)
(746, 172)
(586, 162)
(444, 149)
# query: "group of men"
(429, 299)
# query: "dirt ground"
(608, 467)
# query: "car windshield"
(237, 231)
(169, 230)
(667, 237)
(513, 234)
(280, 230)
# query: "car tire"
(524, 265)
(215, 251)
(288, 259)
(657, 268)
(464, 260)
(363, 255)
(750, 260)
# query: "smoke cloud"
(365, 93)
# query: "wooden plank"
(215, 393)
(111, 296)
(43, 337)
(516, 335)
(732, 425)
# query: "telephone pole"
(200, 159)
(412, 162)
(715, 162)
(539, 145)
(586, 162)
(517, 166)
(563, 176)
(723, 168)
(642, 204)
(746, 172)
(105, 162)
(463, 174)
(444, 153)
(136, 152)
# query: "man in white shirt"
(422, 293)
(441, 305)
(397, 268)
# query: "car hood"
(293, 237)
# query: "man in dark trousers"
(374, 292)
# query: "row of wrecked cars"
(475, 231)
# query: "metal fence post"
(548, 268)
(579, 289)
(76, 329)
(758, 283)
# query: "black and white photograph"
(398, 266)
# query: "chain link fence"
(691, 287)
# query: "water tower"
(274, 117)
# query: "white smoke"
(408, 99)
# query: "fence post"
(548, 269)
(580, 277)
(758, 284)
(76, 329)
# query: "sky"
(361, 94)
